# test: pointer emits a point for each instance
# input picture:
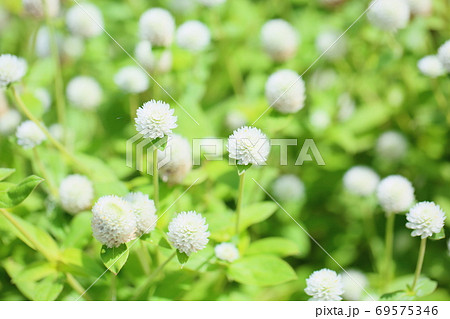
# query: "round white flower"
(76, 193)
(9, 120)
(113, 221)
(144, 54)
(324, 285)
(73, 47)
(248, 145)
(235, 119)
(354, 283)
(327, 43)
(57, 131)
(389, 15)
(392, 146)
(84, 92)
(36, 8)
(12, 69)
(188, 232)
(44, 97)
(285, 91)
(288, 188)
(85, 20)
(132, 79)
(29, 135)
(175, 162)
(395, 194)
(320, 119)
(193, 36)
(155, 119)
(420, 7)
(211, 3)
(444, 55)
(361, 180)
(279, 39)
(227, 252)
(145, 211)
(157, 26)
(431, 66)
(426, 219)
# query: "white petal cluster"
(444, 55)
(36, 8)
(211, 3)
(327, 43)
(285, 91)
(426, 219)
(235, 119)
(389, 15)
(420, 7)
(248, 145)
(44, 97)
(324, 285)
(188, 232)
(84, 92)
(279, 39)
(155, 119)
(145, 211)
(157, 26)
(361, 180)
(76, 193)
(9, 120)
(29, 135)
(113, 221)
(288, 188)
(395, 194)
(132, 79)
(175, 162)
(431, 66)
(12, 69)
(227, 252)
(354, 282)
(392, 146)
(85, 20)
(193, 36)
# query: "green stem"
(144, 258)
(52, 188)
(389, 242)
(134, 100)
(113, 287)
(423, 246)
(239, 200)
(155, 178)
(77, 287)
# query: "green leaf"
(440, 235)
(16, 194)
(261, 270)
(114, 258)
(425, 286)
(6, 172)
(256, 213)
(274, 245)
(399, 295)
(242, 168)
(79, 232)
(164, 243)
(78, 263)
(182, 257)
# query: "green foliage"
(13, 194)
(114, 258)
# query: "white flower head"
(395, 194)
(431, 66)
(132, 79)
(85, 20)
(391, 146)
(145, 211)
(248, 145)
(9, 120)
(43, 95)
(279, 39)
(84, 92)
(361, 180)
(193, 35)
(324, 285)
(420, 7)
(211, 3)
(288, 188)
(285, 91)
(157, 26)
(155, 119)
(113, 221)
(57, 131)
(444, 55)
(354, 283)
(330, 45)
(175, 162)
(76, 193)
(320, 119)
(12, 69)
(36, 8)
(188, 232)
(425, 219)
(227, 252)
(389, 15)
(235, 119)
(73, 47)
(29, 135)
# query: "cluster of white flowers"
(327, 43)
(234, 120)
(285, 91)
(389, 15)
(85, 20)
(160, 61)
(361, 180)
(157, 26)
(76, 193)
(84, 92)
(188, 232)
(155, 119)
(145, 211)
(431, 66)
(12, 69)
(279, 39)
(354, 282)
(420, 7)
(132, 79)
(288, 188)
(211, 3)
(392, 146)
(426, 219)
(9, 120)
(36, 8)
(324, 285)
(395, 194)
(227, 252)
(193, 36)
(248, 145)
(444, 55)
(175, 162)
(29, 135)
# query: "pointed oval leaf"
(114, 258)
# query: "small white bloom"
(324, 285)
(279, 39)
(288, 188)
(175, 162)
(395, 194)
(248, 145)
(389, 15)
(431, 66)
(132, 79)
(145, 211)
(157, 26)
(29, 135)
(193, 36)
(234, 120)
(227, 252)
(12, 69)
(113, 221)
(36, 8)
(354, 282)
(211, 3)
(76, 193)
(444, 55)
(188, 232)
(320, 119)
(9, 120)
(44, 97)
(327, 43)
(426, 219)
(144, 54)
(85, 20)
(57, 131)
(285, 91)
(73, 47)
(155, 119)
(361, 180)
(392, 146)
(84, 92)
(420, 7)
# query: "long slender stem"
(423, 246)
(113, 287)
(77, 286)
(239, 200)
(155, 178)
(144, 258)
(52, 188)
(389, 242)
(134, 100)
